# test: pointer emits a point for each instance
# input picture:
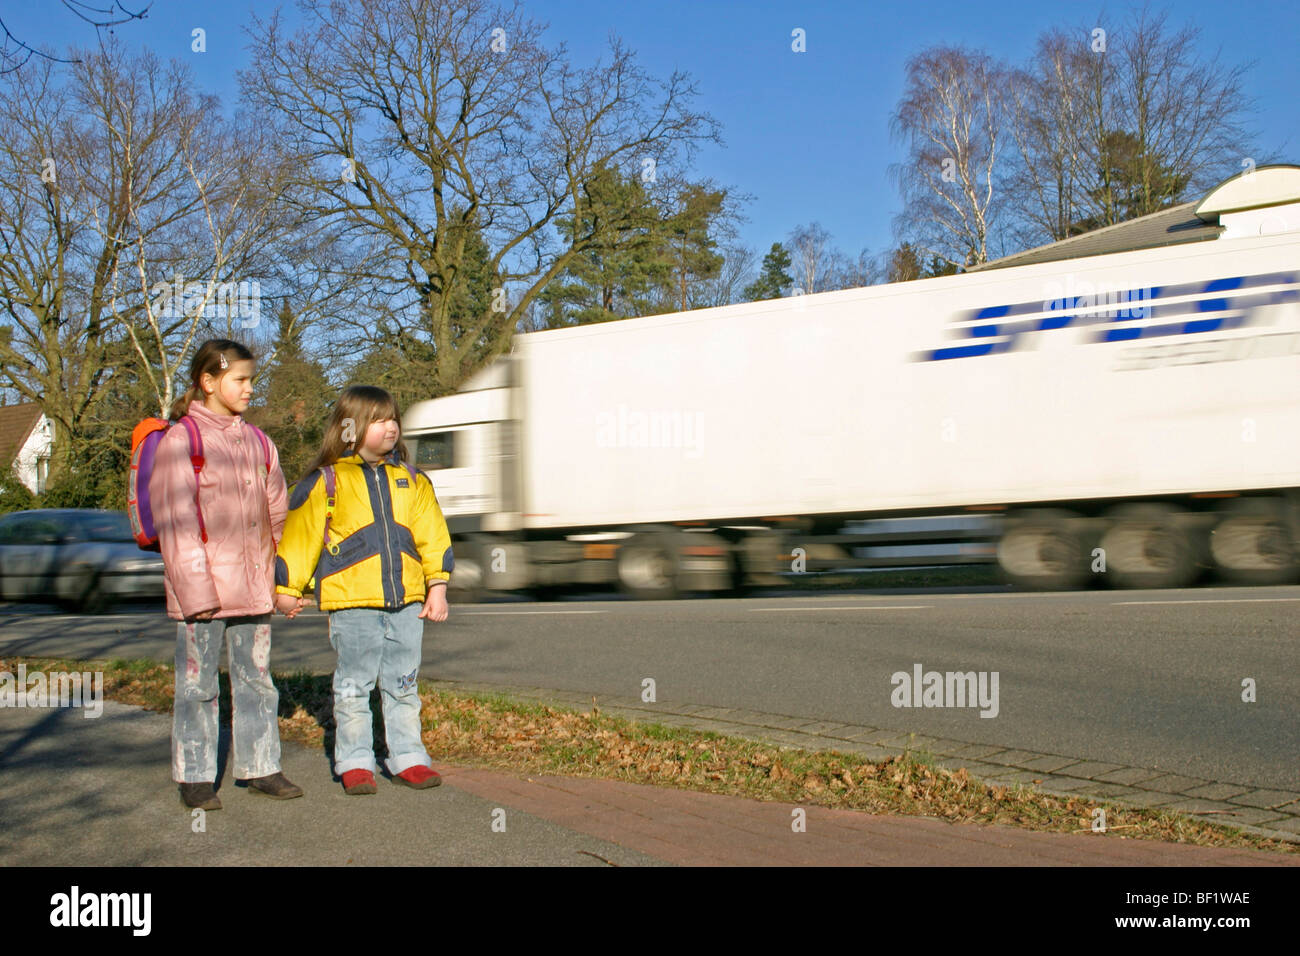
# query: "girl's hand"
(288, 605)
(435, 604)
(206, 615)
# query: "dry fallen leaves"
(542, 739)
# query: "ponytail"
(212, 358)
(182, 405)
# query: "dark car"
(82, 558)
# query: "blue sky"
(806, 134)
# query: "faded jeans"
(255, 732)
(384, 646)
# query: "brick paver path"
(705, 829)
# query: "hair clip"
(224, 363)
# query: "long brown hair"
(362, 405)
(207, 361)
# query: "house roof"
(17, 422)
(1195, 221)
(1177, 224)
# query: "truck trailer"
(1128, 419)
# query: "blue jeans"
(372, 645)
(255, 731)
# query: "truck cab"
(464, 443)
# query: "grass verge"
(499, 732)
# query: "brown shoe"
(275, 785)
(200, 796)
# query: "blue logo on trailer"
(1218, 305)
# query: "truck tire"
(1145, 546)
(1251, 543)
(1044, 550)
(648, 567)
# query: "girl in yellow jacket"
(367, 524)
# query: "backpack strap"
(196, 459)
(266, 459)
(329, 508)
(266, 445)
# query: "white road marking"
(1213, 601)
(509, 613)
(851, 607)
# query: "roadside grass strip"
(494, 731)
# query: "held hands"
(435, 604)
(288, 605)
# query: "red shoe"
(418, 777)
(359, 781)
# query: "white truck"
(1131, 419)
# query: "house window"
(42, 473)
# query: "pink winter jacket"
(244, 506)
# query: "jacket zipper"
(388, 545)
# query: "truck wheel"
(1043, 550)
(544, 592)
(1146, 547)
(647, 568)
(740, 584)
(1251, 544)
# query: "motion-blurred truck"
(1129, 418)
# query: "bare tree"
(813, 258)
(1114, 123)
(950, 119)
(1183, 111)
(422, 124)
(15, 53)
(131, 211)
(1048, 119)
(739, 266)
(854, 273)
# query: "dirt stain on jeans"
(262, 647)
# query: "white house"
(26, 437)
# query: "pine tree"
(626, 267)
(298, 399)
(904, 264)
(691, 246)
(773, 280)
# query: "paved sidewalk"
(1271, 813)
(93, 792)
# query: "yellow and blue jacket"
(387, 542)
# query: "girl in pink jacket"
(217, 539)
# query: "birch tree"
(131, 212)
(951, 123)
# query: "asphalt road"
(1144, 678)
